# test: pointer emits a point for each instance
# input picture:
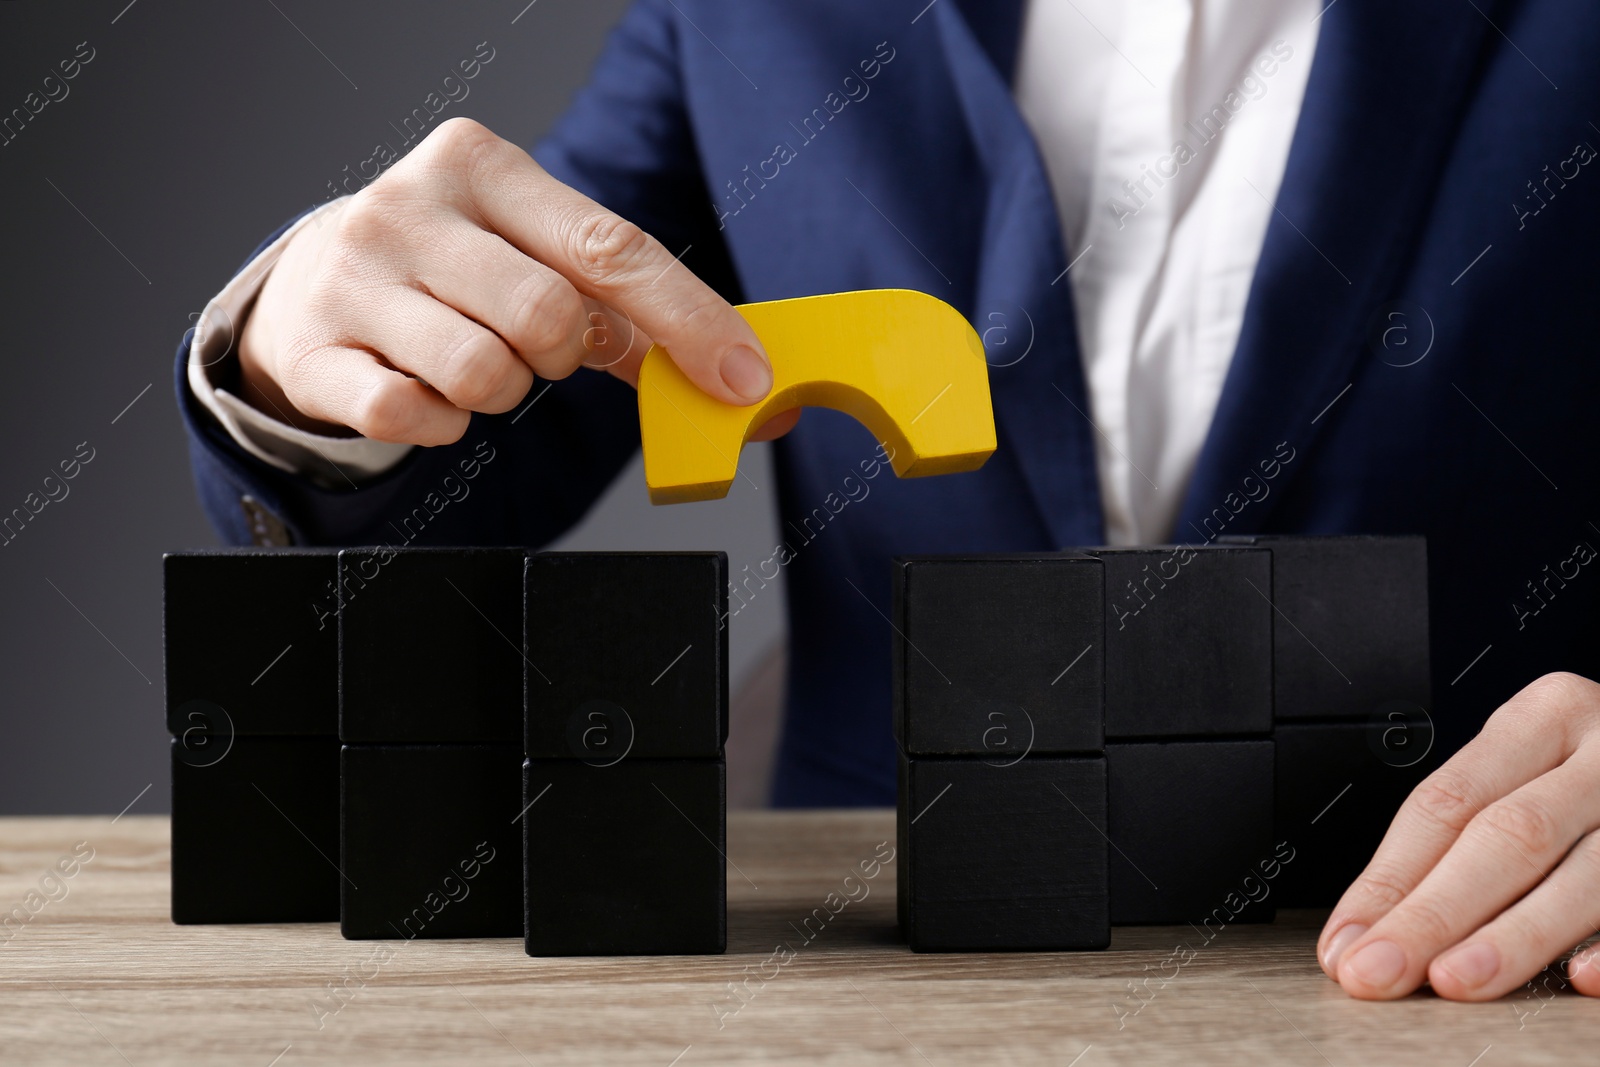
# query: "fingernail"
(1473, 965)
(1341, 941)
(746, 373)
(1377, 966)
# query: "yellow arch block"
(905, 364)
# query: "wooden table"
(100, 975)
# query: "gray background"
(196, 129)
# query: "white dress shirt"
(1165, 126)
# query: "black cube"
(429, 843)
(1339, 786)
(430, 645)
(1352, 634)
(255, 829)
(254, 633)
(628, 858)
(998, 857)
(999, 656)
(626, 655)
(1188, 642)
(1189, 821)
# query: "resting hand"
(1491, 869)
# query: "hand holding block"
(904, 364)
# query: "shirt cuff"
(327, 461)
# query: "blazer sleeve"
(526, 476)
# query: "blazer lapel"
(1386, 90)
(1036, 376)
(997, 27)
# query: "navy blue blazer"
(1439, 173)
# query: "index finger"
(614, 261)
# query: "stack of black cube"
(1143, 735)
(999, 711)
(624, 788)
(478, 742)
(1351, 688)
(430, 713)
(1189, 726)
(473, 742)
(251, 660)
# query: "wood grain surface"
(98, 974)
